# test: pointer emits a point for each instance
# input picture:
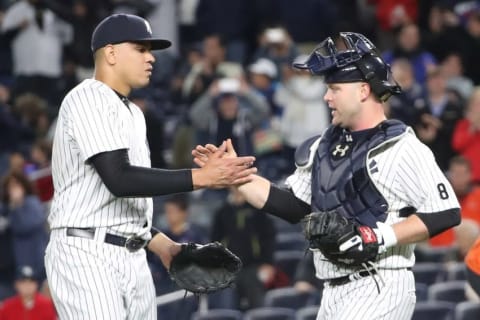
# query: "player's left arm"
(164, 247)
(435, 207)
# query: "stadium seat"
(434, 254)
(270, 313)
(456, 271)
(307, 313)
(467, 310)
(451, 291)
(433, 310)
(287, 261)
(428, 272)
(421, 290)
(290, 241)
(288, 297)
(218, 314)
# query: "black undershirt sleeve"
(124, 180)
(283, 204)
(438, 222)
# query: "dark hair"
(22, 179)
(462, 161)
(181, 200)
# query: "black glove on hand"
(204, 268)
(341, 240)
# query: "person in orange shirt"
(28, 304)
(468, 194)
(472, 261)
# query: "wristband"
(387, 234)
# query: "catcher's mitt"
(204, 268)
(340, 240)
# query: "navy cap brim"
(157, 44)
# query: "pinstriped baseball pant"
(89, 279)
(360, 298)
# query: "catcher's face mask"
(352, 58)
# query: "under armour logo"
(340, 150)
(348, 137)
(149, 29)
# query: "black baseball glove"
(342, 241)
(204, 268)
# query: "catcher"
(366, 190)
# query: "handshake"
(343, 241)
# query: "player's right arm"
(260, 192)
(125, 180)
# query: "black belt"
(351, 277)
(132, 243)
(355, 276)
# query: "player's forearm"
(410, 230)
(261, 194)
(421, 226)
(164, 247)
(256, 192)
(125, 180)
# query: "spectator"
(250, 235)
(7, 261)
(466, 134)
(276, 45)
(305, 279)
(267, 139)
(180, 230)
(457, 82)
(83, 16)
(230, 109)
(212, 66)
(28, 222)
(439, 118)
(305, 113)
(443, 31)
(411, 102)
(28, 303)
(36, 48)
(263, 73)
(41, 173)
(408, 46)
(232, 20)
(154, 120)
(393, 14)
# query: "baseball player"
(370, 170)
(101, 214)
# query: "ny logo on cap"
(147, 25)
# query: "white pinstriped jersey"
(407, 175)
(93, 119)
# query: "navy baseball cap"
(119, 28)
(25, 272)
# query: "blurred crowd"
(228, 75)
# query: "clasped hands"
(221, 167)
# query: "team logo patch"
(367, 234)
(147, 25)
(340, 150)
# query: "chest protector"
(340, 177)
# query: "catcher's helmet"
(357, 60)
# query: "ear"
(365, 91)
(109, 54)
